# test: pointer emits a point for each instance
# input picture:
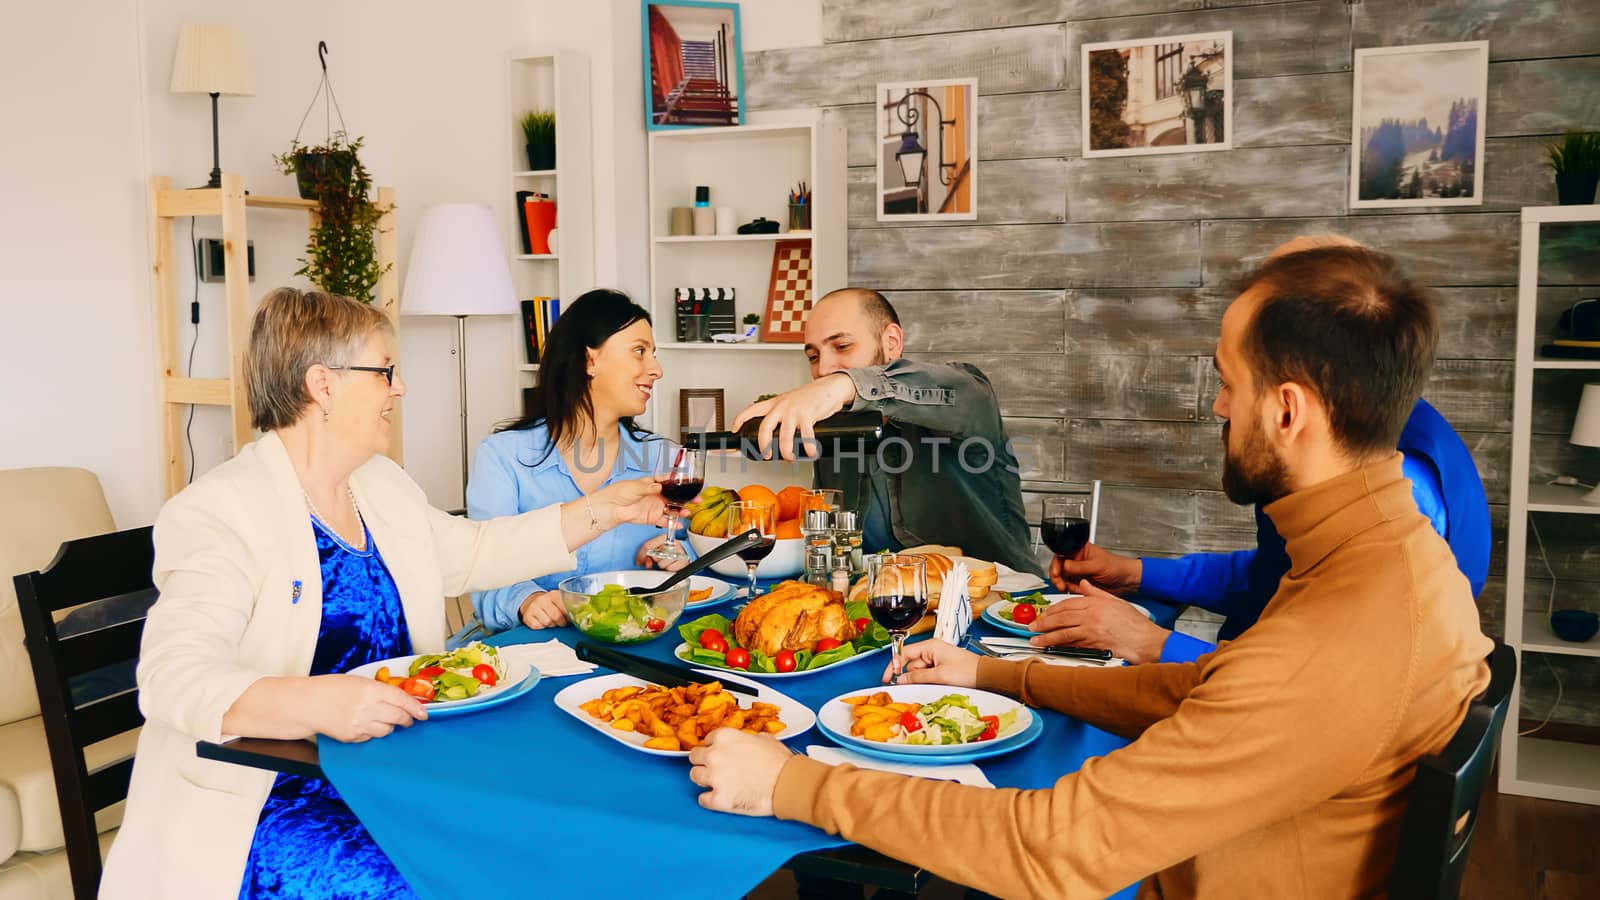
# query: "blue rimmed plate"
(520, 679)
(834, 719)
(991, 613)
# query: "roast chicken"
(793, 616)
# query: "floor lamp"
(458, 268)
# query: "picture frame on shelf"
(1169, 94)
(927, 150)
(693, 64)
(700, 409)
(788, 293)
(1417, 128)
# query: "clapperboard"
(718, 302)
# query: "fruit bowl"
(617, 617)
(786, 560)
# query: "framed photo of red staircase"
(693, 66)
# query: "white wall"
(424, 86)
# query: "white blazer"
(230, 551)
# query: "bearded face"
(1252, 471)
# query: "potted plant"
(1576, 161)
(342, 253)
(539, 132)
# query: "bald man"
(1445, 485)
(947, 473)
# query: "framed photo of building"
(1158, 95)
(928, 150)
(1417, 128)
(699, 409)
(693, 66)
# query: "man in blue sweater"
(1238, 585)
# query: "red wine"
(1065, 535)
(678, 491)
(758, 551)
(897, 612)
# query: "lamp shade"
(1586, 429)
(458, 265)
(211, 60)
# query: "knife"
(1016, 645)
(664, 674)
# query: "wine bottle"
(841, 433)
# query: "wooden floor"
(1525, 849)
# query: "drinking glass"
(744, 515)
(682, 473)
(830, 499)
(897, 595)
(1064, 524)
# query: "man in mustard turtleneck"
(1276, 766)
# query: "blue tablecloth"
(523, 800)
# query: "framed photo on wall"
(1158, 95)
(693, 67)
(928, 150)
(699, 409)
(1417, 128)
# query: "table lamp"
(210, 60)
(1586, 428)
(458, 268)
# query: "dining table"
(523, 794)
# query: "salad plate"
(796, 716)
(943, 709)
(519, 678)
(682, 652)
(999, 613)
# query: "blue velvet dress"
(308, 844)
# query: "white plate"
(836, 719)
(992, 612)
(516, 673)
(682, 650)
(796, 716)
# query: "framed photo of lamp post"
(1158, 95)
(927, 150)
(1417, 128)
(693, 66)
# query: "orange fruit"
(790, 501)
(757, 493)
(788, 528)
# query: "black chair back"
(1442, 811)
(108, 578)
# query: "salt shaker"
(847, 538)
(819, 566)
(817, 530)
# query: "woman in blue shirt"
(596, 374)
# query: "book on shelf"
(530, 331)
(538, 218)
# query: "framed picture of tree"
(1158, 95)
(1417, 128)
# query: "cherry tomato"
(784, 661)
(910, 722)
(993, 729)
(419, 687)
(1024, 613)
(655, 624)
(862, 624)
(826, 644)
(712, 640)
(738, 658)
(485, 673)
(430, 672)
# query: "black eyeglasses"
(386, 371)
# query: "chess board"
(789, 295)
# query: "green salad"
(952, 719)
(618, 616)
(1037, 600)
(711, 643)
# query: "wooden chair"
(109, 571)
(1443, 807)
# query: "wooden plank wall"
(1091, 290)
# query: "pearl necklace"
(362, 543)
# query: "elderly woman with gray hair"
(304, 556)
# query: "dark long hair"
(561, 400)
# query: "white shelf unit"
(750, 168)
(555, 80)
(1533, 766)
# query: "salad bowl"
(601, 607)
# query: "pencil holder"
(799, 217)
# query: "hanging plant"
(342, 251)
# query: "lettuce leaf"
(691, 631)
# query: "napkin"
(1018, 648)
(965, 773)
(954, 615)
(552, 658)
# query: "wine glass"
(1064, 524)
(681, 472)
(897, 596)
(744, 515)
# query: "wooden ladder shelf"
(230, 203)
